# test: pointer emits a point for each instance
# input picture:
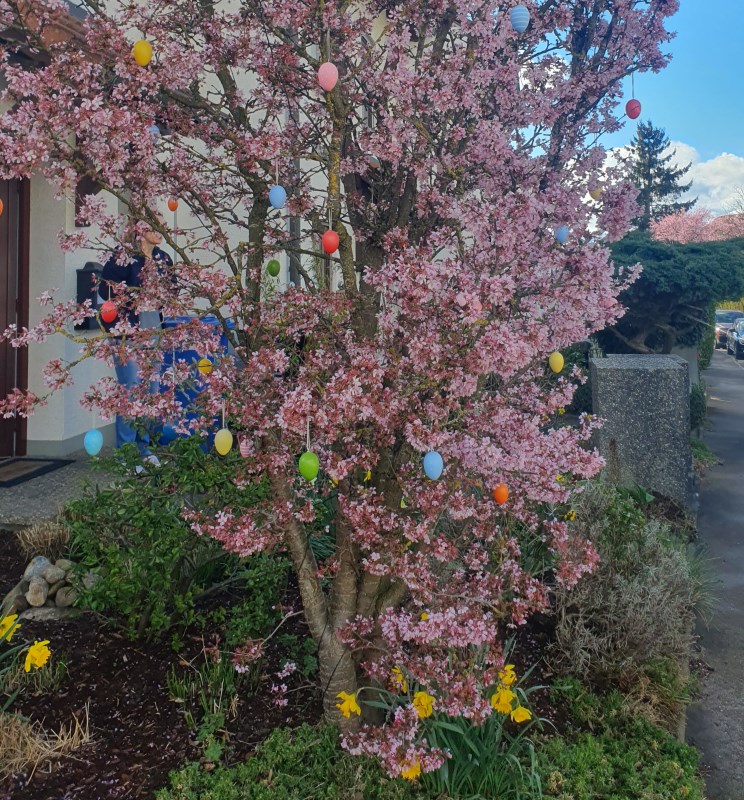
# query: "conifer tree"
(653, 172)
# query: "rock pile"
(45, 591)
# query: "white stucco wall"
(58, 427)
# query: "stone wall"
(645, 440)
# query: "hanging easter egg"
(433, 464)
(172, 204)
(93, 442)
(561, 234)
(2, 207)
(519, 17)
(556, 362)
(633, 109)
(374, 162)
(273, 267)
(108, 311)
(223, 441)
(277, 196)
(501, 493)
(245, 447)
(204, 365)
(330, 242)
(309, 466)
(154, 131)
(327, 76)
(142, 52)
(595, 193)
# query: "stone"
(90, 579)
(645, 440)
(15, 600)
(46, 614)
(36, 566)
(55, 587)
(52, 574)
(49, 603)
(66, 596)
(38, 589)
(64, 564)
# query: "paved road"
(716, 721)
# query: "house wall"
(59, 426)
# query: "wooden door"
(14, 221)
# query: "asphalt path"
(715, 722)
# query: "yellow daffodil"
(7, 624)
(38, 654)
(424, 704)
(424, 616)
(398, 680)
(411, 771)
(403, 503)
(333, 481)
(561, 410)
(501, 700)
(507, 676)
(368, 476)
(570, 515)
(521, 714)
(348, 704)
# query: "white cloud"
(715, 182)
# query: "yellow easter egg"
(223, 441)
(142, 52)
(556, 362)
(204, 366)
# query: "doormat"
(18, 470)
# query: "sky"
(699, 99)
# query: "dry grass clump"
(44, 538)
(25, 744)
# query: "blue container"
(186, 395)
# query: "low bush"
(141, 561)
(48, 539)
(637, 606)
(698, 405)
(290, 765)
(611, 753)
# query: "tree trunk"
(337, 674)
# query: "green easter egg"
(309, 466)
(273, 267)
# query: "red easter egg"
(330, 242)
(108, 311)
(633, 109)
(501, 493)
(2, 207)
(172, 204)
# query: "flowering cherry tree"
(697, 226)
(449, 153)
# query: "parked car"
(724, 320)
(735, 339)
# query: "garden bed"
(137, 733)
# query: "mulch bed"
(138, 733)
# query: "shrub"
(151, 567)
(708, 342)
(637, 605)
(621, 757)
(698, 405)
(290, 765)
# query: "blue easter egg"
(168, 434)
(561, 234)
(519, 17)
(154, 130)
(93, 442)
(433, 464)
(277, 196)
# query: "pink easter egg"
(633, 109)
(327, 76)
(245, 448)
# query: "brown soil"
(138, 734)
